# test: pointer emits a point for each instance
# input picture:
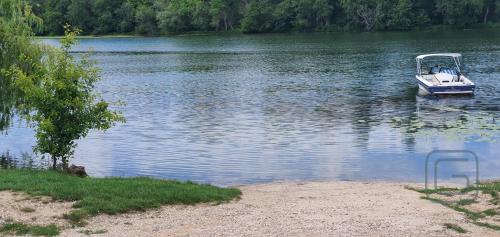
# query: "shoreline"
(323, 208)
(211, 33)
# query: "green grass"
(490, 188)
(471, 214)
(488, 225)
(455, 228)
(111, 195)
(432, 191)
(93, 232)
(494, 193)
(27, 209)
(465, 202)
(490, 212)
(487, 187)
(24, 229)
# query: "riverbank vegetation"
(46, 86)
(481, 204)
(94, 196)
(54, 93)
(18, 228)
(153, 17)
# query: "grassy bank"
(24, 229)
(487, 208)
(111, 195)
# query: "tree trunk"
(485, 18)
(54, 163)
(65, 163)
(225, 21)
(367, 17)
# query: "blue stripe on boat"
(441, 89)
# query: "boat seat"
(448, 71)
(444, 77)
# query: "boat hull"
(445, 90)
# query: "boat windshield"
(440, 65)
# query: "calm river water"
(236, 109)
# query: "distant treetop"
(153, 17)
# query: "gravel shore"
(291, 209)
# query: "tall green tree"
(80, 15)
(17, 50)
(224, 14)
(490, 6)
(62, 103)
(460, 12)
(183, 15)
(403, 16)
(324, 10)
(258, 17)
(53, 13)
(306, 15)
(125, 17)
(105, 13)
(145, 18)
(49, 88)
(284, 15)
(362, 12)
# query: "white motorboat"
(440, 74)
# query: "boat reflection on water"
(452, 118)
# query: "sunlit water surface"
(236, 109)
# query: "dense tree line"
(151, 17)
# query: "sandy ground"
(20, 207)
(288, 209)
